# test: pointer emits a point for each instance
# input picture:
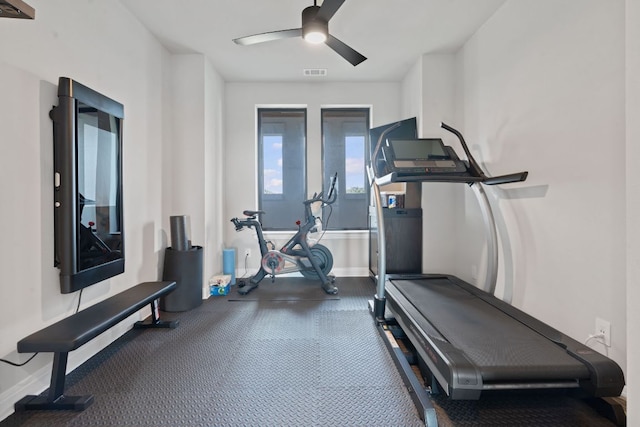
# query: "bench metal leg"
(155, 320)
(55, 398)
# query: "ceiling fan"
(315, 29)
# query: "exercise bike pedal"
(330, 288)
(248, 287)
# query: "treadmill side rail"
(419, 395)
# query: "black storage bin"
(185, 268)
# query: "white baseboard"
(39, 381)
(350, 272)
(338, 272)
(35, 384)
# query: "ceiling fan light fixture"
(315, 37)
(16, 9)
(314, 30)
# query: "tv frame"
(67, 204)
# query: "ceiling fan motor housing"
(311, 24)
(315, 29)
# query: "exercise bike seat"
(252, 213)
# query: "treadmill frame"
(453, 371)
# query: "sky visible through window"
(272, 158)
(354, 164)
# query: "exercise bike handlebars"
(332, 195)
(252, 216)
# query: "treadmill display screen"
(418, 149)
(420, 156)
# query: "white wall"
(215, 222)
(411, 89)
(193, 170)
(79, 40)
(75, 40)
(632, 26)
(350, 252)
(440, 201)
(549, 98)
(429, 90)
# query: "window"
(272, 160)
(344, 136)
(354, 164)
(281, 163)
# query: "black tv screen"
(88, 217)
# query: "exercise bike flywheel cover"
(273, 261)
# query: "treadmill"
(468, 340)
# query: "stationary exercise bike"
(312, 261)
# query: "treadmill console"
(421, 156)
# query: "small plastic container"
(219, 285)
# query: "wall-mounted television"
(88, 217)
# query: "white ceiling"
(392, 34)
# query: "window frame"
(342, 194)
(284, 197)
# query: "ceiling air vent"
(315, 72)
(16, 9)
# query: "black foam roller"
(179, 232)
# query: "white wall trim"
(338, 272)
(39, 381)
(329, 235)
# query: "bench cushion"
(74, 331)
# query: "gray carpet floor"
(287, 354)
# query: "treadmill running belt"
(501, 347)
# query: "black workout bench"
(74, 331)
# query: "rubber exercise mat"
(274, 364)
(263, 364)
(285, 289)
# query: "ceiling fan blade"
(267, 37)
(345, 51)
(328, 9)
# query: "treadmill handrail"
(473, 165)
(506, 179)
(475, 168)
(474, 171)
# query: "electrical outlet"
(603, 328)
(247, 253)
